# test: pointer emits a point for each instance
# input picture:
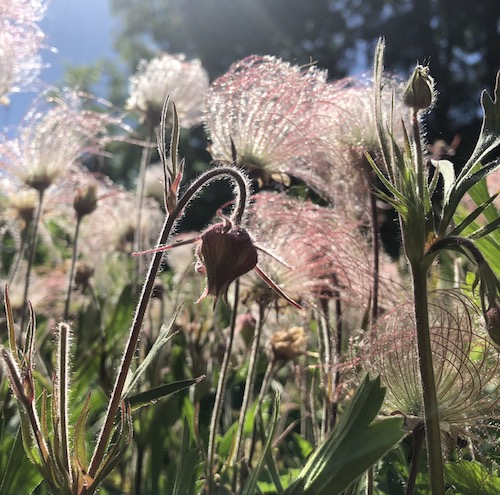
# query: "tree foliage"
(459, 43)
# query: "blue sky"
(82, 33)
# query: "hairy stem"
(431, 412)
(73, 265)
(63, 390)
(147, 289)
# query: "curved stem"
(431, 412)
(147, 289)
(73, 265)
(31, 256)
(221, 387)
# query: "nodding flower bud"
(226, 252)
(85, 200)
(419, 92)
(492, 317)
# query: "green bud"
(419, 90)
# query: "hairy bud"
(419, 93)
(492, 317)
(226, 252)
(85, 200)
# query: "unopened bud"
(492, 317)
(85, 200)
(226, 253)
(419, 90)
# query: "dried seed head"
(419, 91)
(226, 252)
(288, 344)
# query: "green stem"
(264, 388)
(73, 265)
(63, 389)
(31, 256)
(252, 367)
(418, 442)
(431, 412)
(141, 180)
(326, 376)
(418, 155)
(219, 396)
(19, 254)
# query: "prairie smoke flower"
(20, 41)
(266, 108)
(109, 231)
(349, 131)
(329, 256)
(466, 363)
(53, 137)
(185, 81)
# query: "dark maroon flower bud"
(227, 252)
(85, 200)
(492, 317)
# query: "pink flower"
(20, 41)
(185, 81)
(266, 107)
(55, 133)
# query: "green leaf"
(151, 396)
(447, 171)
(485, 230)
(163, 337)
(471, 478)
(185, 476)
(20, 476)
(79, 441)
(461, 187)
(489, 137)
(463, 224)
(251, 485)
(353, 446)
